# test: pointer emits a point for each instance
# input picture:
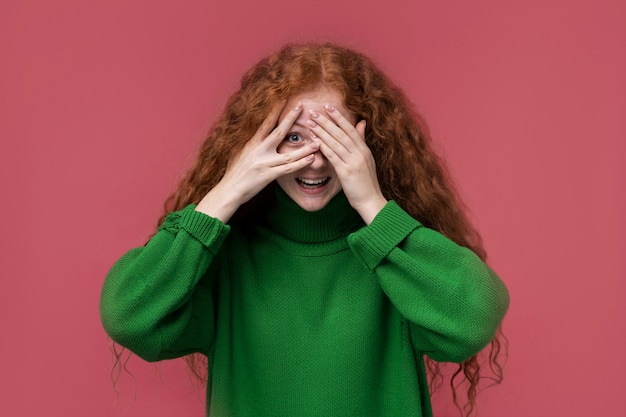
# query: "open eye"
(293, 138)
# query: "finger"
(289, 157)
(292, 166)
(360, 129)
(330, 148)
(280, 131)
(270, 121)
(332, 143)
(332, 157)
(339, 133)
(337, 116)
(336, 152)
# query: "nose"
(319, 160)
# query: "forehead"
(318, 95)
(316, 99)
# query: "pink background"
(103, 104)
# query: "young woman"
(316, 255)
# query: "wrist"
(370, 210)
(218, 203)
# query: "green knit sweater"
(305, 314)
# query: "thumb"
(360, 128)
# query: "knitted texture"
(305, 314)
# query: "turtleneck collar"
(336, 220)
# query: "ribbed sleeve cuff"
(388, 229)
(208, 230)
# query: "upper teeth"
(312, 182)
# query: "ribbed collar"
(337, 220)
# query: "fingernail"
(310, 157)
(314, 113)
(329, 108)
(297, 108)
(312, 123)
(315, 144)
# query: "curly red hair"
(408, 169)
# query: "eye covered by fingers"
(338, 133)
(342, 121)
(334, 123)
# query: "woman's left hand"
(344, 146)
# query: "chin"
(312, 205)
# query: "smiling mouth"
(316, 183)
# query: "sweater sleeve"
(154, 301)
(453, 301)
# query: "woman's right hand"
(257, 165)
